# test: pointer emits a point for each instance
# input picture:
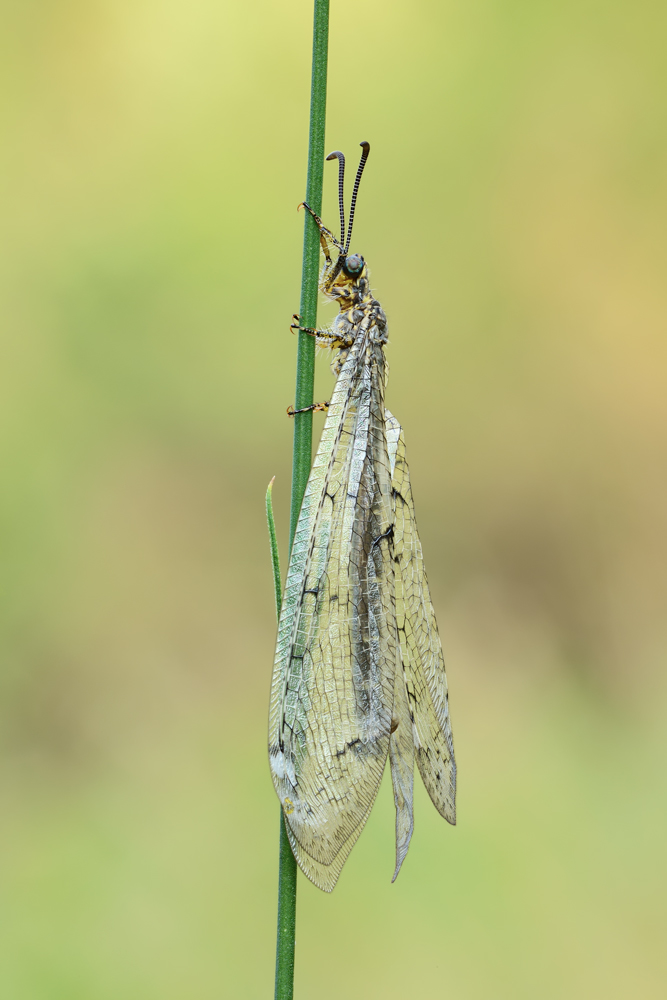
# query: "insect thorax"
(361, 319)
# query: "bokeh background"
(513, 216)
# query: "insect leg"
(326, 235)
(325, 338)
(315, 407)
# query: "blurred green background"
(513, 214)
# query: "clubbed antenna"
(341, 178)
(366, 147)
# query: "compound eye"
(354, 264)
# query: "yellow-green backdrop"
(512, 214)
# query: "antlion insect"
(359, 672)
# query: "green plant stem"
(303, 435)
(305, 359)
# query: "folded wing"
(336, 658)
(421, 674)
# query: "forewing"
(421, 650)
(333, 683)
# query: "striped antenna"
(366, 147)
(341, 178)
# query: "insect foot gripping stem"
(314, 407)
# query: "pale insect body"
(359, 673)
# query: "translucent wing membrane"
(422, 671)
(337, 653)
(359, 668)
